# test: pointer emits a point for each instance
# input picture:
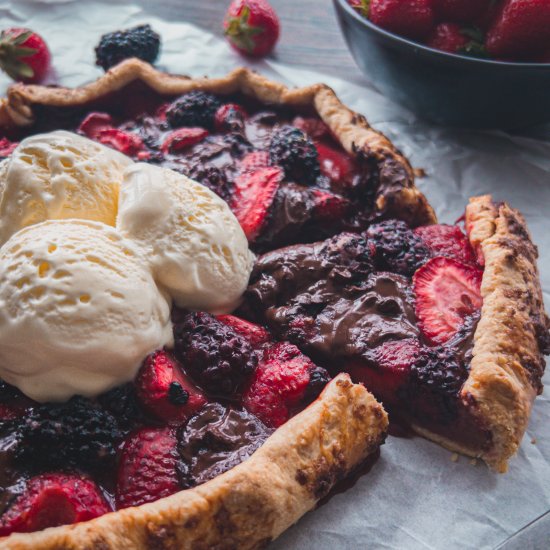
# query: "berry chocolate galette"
(163, 386)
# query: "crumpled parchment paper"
(415, 497)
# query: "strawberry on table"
(24, 55)
(410, 18)
(53, 499)
(521, 30)
(252, 27)
(147, 469)
(447, 293)
(165, 391)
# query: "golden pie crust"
(402, 199)
(251, 504)
(511, 337)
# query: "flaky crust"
(512, 335)
(251, 504)
(399, 198)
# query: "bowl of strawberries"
(469, 63)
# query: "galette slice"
(447, 328)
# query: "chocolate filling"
(216, 440)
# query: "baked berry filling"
(283, 174)
(189, 416)
(394, 307)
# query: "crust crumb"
(534, 441)
(473, 462)
(454, 457)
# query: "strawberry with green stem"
(24, 55)
(252, 27)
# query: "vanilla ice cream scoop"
(79, 310)
(198, 252)
(59, 175)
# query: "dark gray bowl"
(447, 88)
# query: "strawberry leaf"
(241, 32)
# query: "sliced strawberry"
(336, 165)
(315, 128)
(165, 391)
(254, 161)
(182, 138)
(447, 292)
(255, 334)
(253, 196)
(160, 113)
(229, 117)
(329, 206)
(447, 240)
(7, 147)
(94, 124)
(284, 380)
(53, 499)
(15, 408)
(125, 142)
(393, 365)
(147, 468)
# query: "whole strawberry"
(521, 30)
(452, 38)
(461, 11)
(24, 55)
(410, 18)
(252, 27)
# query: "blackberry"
(296, 154)
(396, 247)
(142, 42)
(436, 379)
(215, 355)
(123, 404)
(318, 379)
(76, 434)
(213, 178)
(8, 392)
(193, 109)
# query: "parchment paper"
(415, 496)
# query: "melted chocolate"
(325, 298)
(216, 440)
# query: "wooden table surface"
(310, 35)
